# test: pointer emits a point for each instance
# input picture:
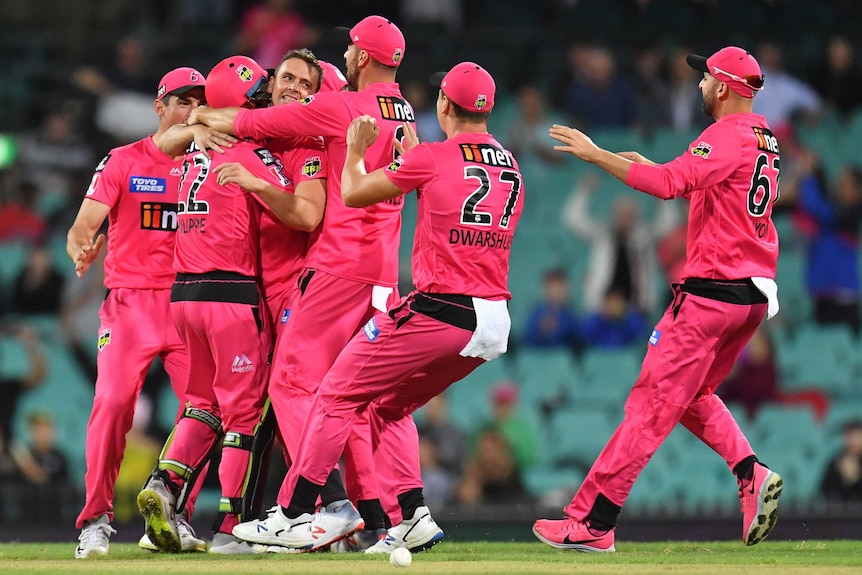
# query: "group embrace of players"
(253, 247)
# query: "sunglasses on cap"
(259, 94)
(750, 80)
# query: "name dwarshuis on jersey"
(395, 108)
(487, 154)
(480, 239)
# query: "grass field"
(779, 557)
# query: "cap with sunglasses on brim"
(179, 81)
(734, 66)
(469, 85)
(235, 82)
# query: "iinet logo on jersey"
(242, 364)
(159, 216)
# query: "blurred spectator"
(686, 113)
(552, 323)
(671, 251)
(269, 29)
(13, 383)
(124, 107)
(39, 286)
(755, 380)
(447, 438)
(617, 324)
(527, 136)
(446, 14)
(837, 79)
(831, 224)
(55, 154)
(652, 89)
(424, 111)
(622, 256)
(19, 219)
(517, 431)
(39, 460)
(79, 314)
(604, 98)
(842, 478)
(438, 483)
(492, 474)
(786, 97)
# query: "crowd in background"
(73, 99)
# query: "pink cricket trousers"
(691, 352)
(395, 365)
(136, 327)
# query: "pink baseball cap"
(734, 66)
(469, 85)
(333, 79)
(179, 81)
(380, 38)
(236, 81)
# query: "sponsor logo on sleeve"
(654, 337)
(702, 149)
(395, 108)
(311, 167)
(159, 216)
(395, 164)
(307, 100)
(104, 339)
(103, 163)
(285, 315)
(371, 330)
(765, 140)
(146, 185)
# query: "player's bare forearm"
(219, 118)
(614, 164)
(176, 139)
(292, 210)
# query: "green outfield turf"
(777, 557)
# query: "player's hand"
(87, 254)
(236, 173)
(363, 132)
(574, 142)
(410, 139)
(207, 138)
(636, 158)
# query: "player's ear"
(159, 107)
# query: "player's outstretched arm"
(219, 118)
(302, 210)
(80, 245)
(581, 146)
(359, 188)
(176, 139)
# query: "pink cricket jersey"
(282, 248)
(219, 225)
(470, 197)
(360, 244)
(139, 183)
(730, 173)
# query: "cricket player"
(730, 175)
(134, 186)
(470, 193)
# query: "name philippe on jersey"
(489, 155)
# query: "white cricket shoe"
(156, 504)
(226, 544)
(189, 540)
(278, 530)
(359, 541)
(416, 534)
(94, 538)
(334, 522)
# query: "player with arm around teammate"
(730, 175)
(470, 197)
(134, 187)
(351, 269)
(217, 308)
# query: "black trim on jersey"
(452, 309)
(217, 286)
(739, 292)
(303, 280)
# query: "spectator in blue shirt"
(552, 323)
(617, 324)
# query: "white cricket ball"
(401, 557)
